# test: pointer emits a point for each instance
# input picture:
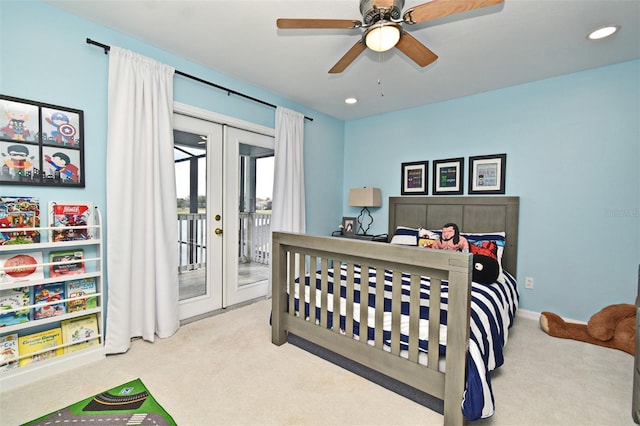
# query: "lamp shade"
(365, 197)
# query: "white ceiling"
(486, 49)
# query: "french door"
(224, 177)
(198, 153)
(249, 158)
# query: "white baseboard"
(535, 316)
(531, 315)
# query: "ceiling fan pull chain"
(380, 78)
(381, 87)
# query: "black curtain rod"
(106, 48)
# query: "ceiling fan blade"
(286, 23)
(440, 8)
(418, 52)
(349, 57)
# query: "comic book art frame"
(415, 177)
(41, 144)
(448, 176)
(487, 174)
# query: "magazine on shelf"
(13, 299)
(44, 295)
(18, 267)
(8, 352)
(37, 342)
(82, 288)
(68, 220)
(19, 212)
(65, 263)
(83, 330)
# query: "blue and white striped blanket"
(493, 309)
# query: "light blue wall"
(572, 145)
(44, 57)
(573, 156)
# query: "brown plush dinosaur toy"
(613, 327)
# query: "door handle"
(218, 231)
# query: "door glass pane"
(256, 191)
(190, 155)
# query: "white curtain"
(288, 206)
(142, 258)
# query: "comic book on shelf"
(8, 352)
(81, 288)
(44, 295)
(13, 299)
(83, 330)
(69, 219)
(19, 212)
(37, 342)
(65, 263)
(17, 267)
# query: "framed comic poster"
(414, 178)
(40, 144)
(487, 174)
(448, 176)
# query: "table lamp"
(365, 198)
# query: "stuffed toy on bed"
(613, 327)
(485, 261)
(450, 239)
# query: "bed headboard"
(471, 214)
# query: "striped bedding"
(493, 310)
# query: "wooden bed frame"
(295, 255)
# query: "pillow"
(405, 236)
(484, 248)
(426, 242)
(427, 238)
(483, 243)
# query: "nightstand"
(381, 238)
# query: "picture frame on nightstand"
(348, 226)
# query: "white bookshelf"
(34, 371)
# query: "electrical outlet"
(528, 282)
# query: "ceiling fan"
(382, 24)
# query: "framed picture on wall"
(414, 178)
(447, 176)
(487, 174)
(40, 144)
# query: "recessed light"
(351, 101)
(603, 32)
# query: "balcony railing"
(255, 239)
(192, 241)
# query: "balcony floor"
(192, 283)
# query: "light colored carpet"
(207, 374)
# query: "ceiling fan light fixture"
(382, 36)
(603, 32)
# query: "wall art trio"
(486, 176)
